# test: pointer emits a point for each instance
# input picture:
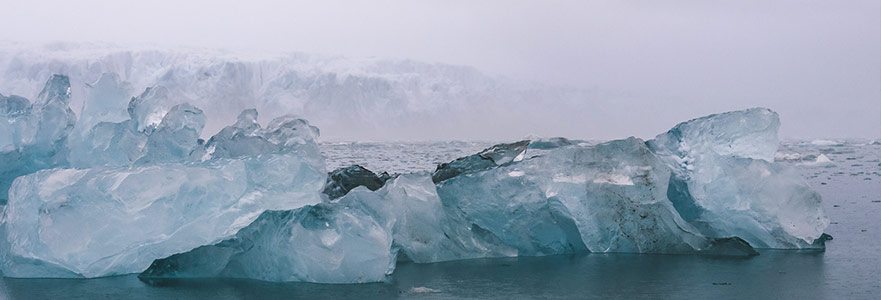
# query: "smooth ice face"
(750, 133)
(426, 230)
(34, 136)
(335, 242)
(605, 198)
(354, 239)
(767, 204)
(104, 101)
(726, 184)
(104, 221)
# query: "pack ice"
(139, 191)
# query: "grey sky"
(818, 63)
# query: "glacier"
(130, 186)
(342, 96)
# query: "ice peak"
(148, 109)
(56, 89)
(247, 119)
(750, 133)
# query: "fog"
(817, 63)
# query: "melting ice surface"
(132, 188)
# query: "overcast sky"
(818, 63)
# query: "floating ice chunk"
(423, 290)
(726, 184)
(105, 221)
(780, 156)
(604, 198)
(768, 205)
(339, 242)
(824, 143)
(821, 161)
(426, 229)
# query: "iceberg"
(605, 198)
(134, 189)
(357, 238)
(725, 181)
(337, 242)
(705, 187)
(169, 192)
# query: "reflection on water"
(773, 274)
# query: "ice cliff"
(342, 96)
(131, 187)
